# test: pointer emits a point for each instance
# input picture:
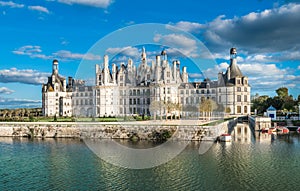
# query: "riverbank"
(137, 130)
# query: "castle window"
(238, 81)
(220, 90)
(134, 92)
(245, 109)
(121, 78)
(220, 99)
(181, 92)
(168, 74)
(208, 91)
(138, 92)
(245, 89)
(239, 98)
(187, 91)
(130, 101)
(148, 76)
(169, 90)
(245, 98)
(202, 91)
(246, 81)
(213, 91)
(238, 89)
(239, 109)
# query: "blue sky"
(33, 33)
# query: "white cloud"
(10, 4)
(36, 52)
(92, 3)
(5, 90)
(212, 73)
(187, 26)
(124, 51)
(68, 55)
(26, 76)
(18, 103)
(271, 30)
(298, 67)
(39, 8)
(178, 43)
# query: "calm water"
(265, 163)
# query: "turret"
(55, 67)
(185, 77)
(114, 73)
(144, 55)
(105, 62)
(64, 85)
(164, 54)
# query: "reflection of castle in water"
(242, 133)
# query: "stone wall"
(112, 130)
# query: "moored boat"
(283, 130)
(298, 129)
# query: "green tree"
(207, 107)
(260, 104)
(282, 92)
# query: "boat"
(271, 130)
(298, 129)
(283, 130)
(225, 137)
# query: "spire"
(144, 56)
(55, 67)
(233, 69)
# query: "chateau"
(130, 89)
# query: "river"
(263, 162)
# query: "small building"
(271, 112)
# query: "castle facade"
(130, 89)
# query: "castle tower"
(144, 56)
(233, 70)
(55, 67)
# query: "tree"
(288, 104)
(282, 92)
(207, 107)
(178, 108)
(155, 107)
(170, 107)
(260, 104)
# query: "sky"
(33, 33)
